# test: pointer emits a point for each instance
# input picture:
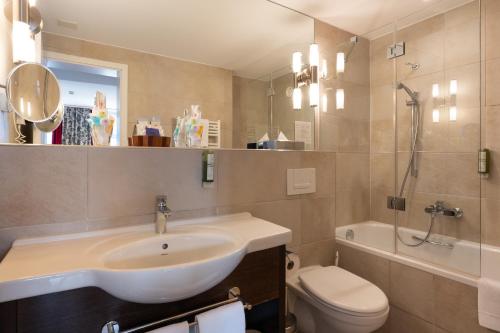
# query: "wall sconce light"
(340, 99)
(435, 116)
(340, 62)
(324, 69)
(453, 113)
(325, 103)
(297, 98)
(23, 45)
(453, 87)
(26, 22)
(435, 90)
(314, 94)
(307, 76)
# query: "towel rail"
(233, 296)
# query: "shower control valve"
(439, 208)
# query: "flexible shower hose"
(405, 179)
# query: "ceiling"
(251, 37)
(371, 18)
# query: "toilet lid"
(343, 290)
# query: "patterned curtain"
(76, 129)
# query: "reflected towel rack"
(233, 296)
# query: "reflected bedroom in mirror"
(168, 78)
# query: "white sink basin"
(169, 267)
(134, 263)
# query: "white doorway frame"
(123, 73)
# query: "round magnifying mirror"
(33, 92)
(53, 123)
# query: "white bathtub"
(461, 263)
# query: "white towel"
(175, 328)
(225, 319)
(489, 303)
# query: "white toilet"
(333, 300)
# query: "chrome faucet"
(162, 214)
(439, 208)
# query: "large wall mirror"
(156, 60)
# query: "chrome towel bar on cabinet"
(233, 296)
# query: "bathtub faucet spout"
(439, 208)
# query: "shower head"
(413, 95)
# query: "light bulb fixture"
(435, 116)
(453, 113)
(308, 76)
(453, 87)
(325, 103)
(297, 62)
(314, 55)
(340, 62)
(435, 90)
(324, 69)
(340, 99)
(23, 45)
(297, 98)
(32, 3)
(314, 94)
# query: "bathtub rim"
(471, 280)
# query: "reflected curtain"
(76, 129)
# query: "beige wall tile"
(352, 207)
(412, 290)
(318, 253)
(491, 185)
(253, 176)
(491, 20)
(328, 132)
(42, 185)
(325, 165)
(492, 81)
(490, 222)
(462, 42)
(436, 169)
(382, 172)
(318, 219)
(493, 127)
(424, 46)
(378, 206)
(124, 182)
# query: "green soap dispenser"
(208, 166)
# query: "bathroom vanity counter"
(110, 259)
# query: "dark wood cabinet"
(260, 277)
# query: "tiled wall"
(420, 302)
(490, 187)
(447, 47)
(347, 131)
(56, 189)
(161, 86)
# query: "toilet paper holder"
(233, 296)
